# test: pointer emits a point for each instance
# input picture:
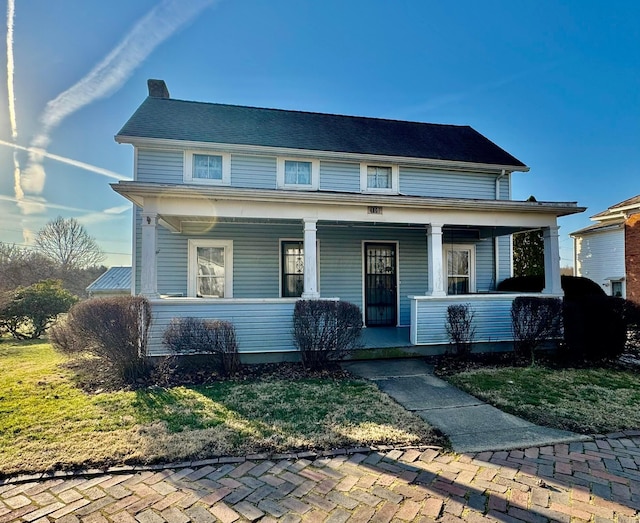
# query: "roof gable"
(166, 118)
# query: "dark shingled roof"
(634, 201)
(166, 118)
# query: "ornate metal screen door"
(380, 284)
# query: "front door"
(380, 285)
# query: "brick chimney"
(158, 89)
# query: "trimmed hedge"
(595, 328)
(325, 330)
(573, 286)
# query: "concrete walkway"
(470, 424)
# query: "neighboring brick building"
(608, 252)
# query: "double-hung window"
(210, 268)
(459, 263)
(379, 178)
(294, 173)
(207, 168)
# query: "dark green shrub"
(535, 320)
(595, 328)
(573, 286)
(27, 312)
(323, 330)
(460, 328)
(187, 336)
(115, 329)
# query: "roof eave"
(137, 141)
(136, 191)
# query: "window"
(210, 269)
(459, 264)
(616, 289)
(214, 169)
(292, 253)
(298, 173)
(379, 178)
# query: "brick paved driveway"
(595, 481)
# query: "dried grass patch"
(48, 422)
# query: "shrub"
(595, 328)
(186, 336)
(27, 312)
(115, 329)
(535, 320)
(460, 328)
(324, 331)
(573, 286)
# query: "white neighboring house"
(116, 281)
(607, 251)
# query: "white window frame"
(364, 185)
(188, 168)
(315, 174)
(193, 268)
(285, 240)
(448, 247)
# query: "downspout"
(496, 240)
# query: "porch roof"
(137, 192)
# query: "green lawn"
(583, 400)
(46, 422)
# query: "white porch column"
(148, 269)
(310, 260)
(552, 282)
(434, 256)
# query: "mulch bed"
(94, 375)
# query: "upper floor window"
(298, 174)
(212, 169)
(379, 178)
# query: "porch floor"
(385, 337)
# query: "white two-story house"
(241, 211)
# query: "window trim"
(193, 270)
(315, 174)
(448, 247)
(280, 260)
(188, 168)
(364, 179)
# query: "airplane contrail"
(11, 10)
(111, 211)
(62, 159)
(110, 74)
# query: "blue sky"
(555, 83)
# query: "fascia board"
(137, 191)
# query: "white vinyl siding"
(600, 256)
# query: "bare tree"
(67, 243)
